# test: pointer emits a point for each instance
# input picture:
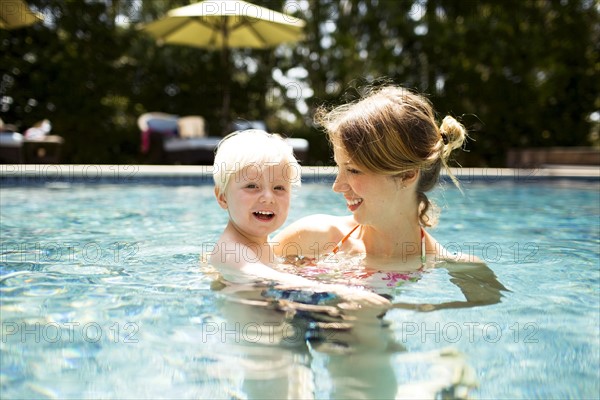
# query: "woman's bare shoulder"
(311, 231)
(317, 223)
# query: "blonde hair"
(392, 131)
(241, 149)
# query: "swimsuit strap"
(423, 250)
(341, 242)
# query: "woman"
(389, 151)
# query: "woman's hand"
(348, 297)
(352, 295)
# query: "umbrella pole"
(227, 82)
(226, 93)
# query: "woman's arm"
(477, 282)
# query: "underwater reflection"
(301, 344)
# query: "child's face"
(258, 198)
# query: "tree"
(518, 73)
(92, 76)
(69, 71)
(521, 72)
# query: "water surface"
(102, 295)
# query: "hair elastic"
(444, 138)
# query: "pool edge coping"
(124, 173)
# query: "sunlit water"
(102, 295)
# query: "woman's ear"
(410, 177)
(221, 199)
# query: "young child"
(254, 173)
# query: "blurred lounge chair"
(33, 148)
(299, 145)
(168, 139)
(11, 142)
(10, 148)
(46, 150)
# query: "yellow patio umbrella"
(226, 24)
(16, 14)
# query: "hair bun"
(453, 134)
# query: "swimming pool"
(102, 295)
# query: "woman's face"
(371, 197)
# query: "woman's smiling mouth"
(354, 203)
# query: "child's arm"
(240, 267)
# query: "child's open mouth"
(264, 215)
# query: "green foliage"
(518, 73)
(67, 71)
(524, 73)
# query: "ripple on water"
(542, 243)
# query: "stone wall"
(536, 157)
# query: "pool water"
(103, 295)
